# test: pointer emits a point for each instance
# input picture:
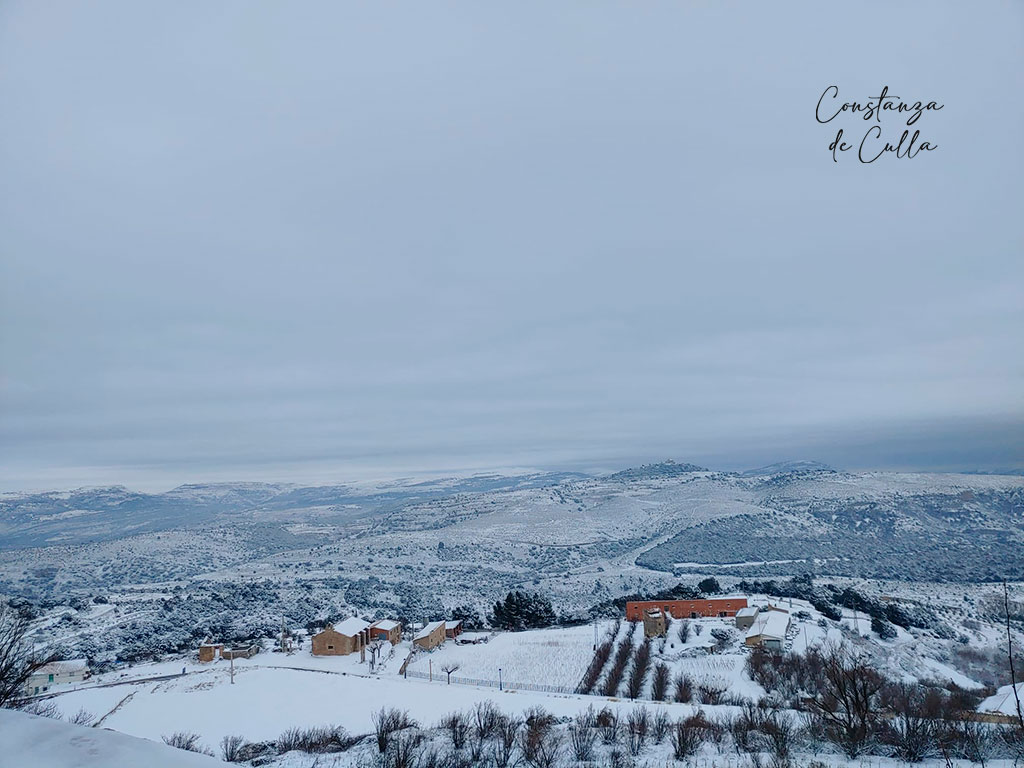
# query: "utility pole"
(499, 678)
(232, 668)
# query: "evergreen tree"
(520, 610)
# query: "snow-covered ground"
(1003, 700)
(556, 657)
(264, 702)
(42, 742)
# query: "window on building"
(330, 647)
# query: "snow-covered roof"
(429, 629)
(771, 624)
(453, 624)
(350, 627)
(750, 610)
(63, 667)
(1002, 700)
(386, 624)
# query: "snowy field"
(263, 703)
(556, 657)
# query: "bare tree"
(486, 719)
(18, 659)
(540, 742)
(505, 745)
(846, 703)
(1009, 654)
(448, 669)
(457, 726)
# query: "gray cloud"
(330, 239)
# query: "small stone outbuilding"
(388, 630)
(654, 623)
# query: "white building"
(56, 673)
(769, 629)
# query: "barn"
(686, 609)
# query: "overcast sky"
(246, 240)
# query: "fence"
(506, 684)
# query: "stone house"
(342, 638)
(430, 636)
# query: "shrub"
(593, 673)
(684, 631)
(231, 748)
(660, 726)
(660, 681)
(608, 722)
(618, 670)
(583, 736)
(683, 689)
(638, 723)
(638, 673)
(187, 741)
(315, 740)
(387, 722)
(686, 740)
(457, 726)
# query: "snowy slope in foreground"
(44, 743)
(1003, 701)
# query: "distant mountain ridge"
(663, 469)
(785, 467)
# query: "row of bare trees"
(613, 679)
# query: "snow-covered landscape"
(581, 545)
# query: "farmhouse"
(686, 609)
(343, 638)
(745, 617)
(386, 629)
(768, 630)
(56, 673)
(430, 636)
(654, 623)
(452, 629)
